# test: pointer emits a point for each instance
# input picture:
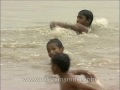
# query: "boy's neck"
(63, 74)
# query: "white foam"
(102, 22)
(98, 82)
(58, 31)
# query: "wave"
(20, 45)
(100, 22)
(31, 37)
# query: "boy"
(55, 46)
(60, 66)
(84, 21)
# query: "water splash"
(58, 31)
(101, 22)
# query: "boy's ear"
(88, 21)
(55, 66)
(56, 69)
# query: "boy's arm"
(82, 86)
(89, 75)
(77, 27)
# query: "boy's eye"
(48, 50)
(54, 49)
(79, 17)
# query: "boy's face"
(54, 49)
(82, 20)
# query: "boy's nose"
(52, 53)
(77, 21)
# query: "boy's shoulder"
(81, 28)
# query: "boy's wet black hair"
(88, 14)
(56, 41)
(62, 61)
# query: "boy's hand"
(52, 25)
(90, 76)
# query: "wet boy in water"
(55, 46)
(60, 66)
(84, 21)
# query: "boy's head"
(60, 63)
(85, 17)
(54, 46)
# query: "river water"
(25, 32)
